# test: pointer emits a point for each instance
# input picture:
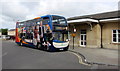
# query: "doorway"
(83, 38)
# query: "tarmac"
(97, 55)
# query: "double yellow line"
(80, 59)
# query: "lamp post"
(74, 31)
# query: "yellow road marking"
(80, 59)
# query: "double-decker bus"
(48, 32)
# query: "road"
(19, 57)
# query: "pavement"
(98, 55)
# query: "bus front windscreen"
(60, 31)
(61, 36)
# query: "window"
(116, 36)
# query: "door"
(83, 38)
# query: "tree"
(4, 31)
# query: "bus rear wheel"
(38, 46)
(21, 43)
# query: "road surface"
(20, 57)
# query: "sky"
(13, 10)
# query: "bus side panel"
(18, 39)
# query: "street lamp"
(74, 31)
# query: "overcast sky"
(13, 10)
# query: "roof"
(12, 30)
(82, 20)
(100, 16)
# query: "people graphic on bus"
(45, 34)
(48, 35)
(41, 33)
(35, 36)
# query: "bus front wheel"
(47, 48)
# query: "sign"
(73, 34)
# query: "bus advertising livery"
(48, 32)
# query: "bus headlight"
(67, 40)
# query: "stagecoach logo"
(62, 44)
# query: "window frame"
(117, 36)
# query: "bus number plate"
(61, 49)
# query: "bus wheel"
(21, 43)
(47, 48)
(38, 46)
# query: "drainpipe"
(101, 26)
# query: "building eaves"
(100, 16)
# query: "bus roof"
(50, 16)
(37, 18)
